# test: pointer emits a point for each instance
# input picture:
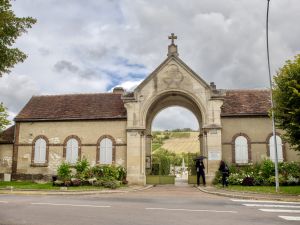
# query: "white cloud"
(109, 43)
(174, 117)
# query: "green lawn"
(45, 186)
(294, 190)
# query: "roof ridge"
(75, 94)
(240, 90)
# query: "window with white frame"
(279, 148)
(40, 151)
(72, 151)
(106, 151)
(241, 149)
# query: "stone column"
(136, 157)
(213, 151)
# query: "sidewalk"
(73, 192)
(249, 195)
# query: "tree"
(3, 117)
(11, 27)
(287, 101)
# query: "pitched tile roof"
(246, 103)
(7, 136)
(73, 107)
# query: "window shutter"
(279, 148)
(40, 151)
(72, 151)
(241, 150)
(106, 151)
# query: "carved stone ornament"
(174, 77)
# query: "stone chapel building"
(115, 128)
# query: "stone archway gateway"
(171, 83)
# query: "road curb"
(59, 192)
(251, 196)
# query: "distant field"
(182, 142)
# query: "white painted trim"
(276, 206)
(191, 210)
(264, 201)
(56, 204)
(294, 218)
(280, 210)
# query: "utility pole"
(272, 103)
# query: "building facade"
(115, 128)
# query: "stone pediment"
(173, 73)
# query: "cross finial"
(172, 37)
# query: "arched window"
(40, 147)
(72, 150)
(106, 151)
(241, 149)
(272, 148)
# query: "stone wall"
(89, 132)
(258, 130)
(6, 151)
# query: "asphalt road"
(161, 205)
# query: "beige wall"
(6, 151)
(258, 130)
(88, 132)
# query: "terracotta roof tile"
(7, 136)
(73, 107)
(246, 102)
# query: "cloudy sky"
(93, 45)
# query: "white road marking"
(262, 201)
(191, 210)
(56, 204)
(3, 202)
(276, 206)
(295, 218)
(280, 210)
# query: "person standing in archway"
(200, 172)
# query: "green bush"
(112, 184)
(109, 172)
(122, 173)
(191, 163)
(267, 168)
(64, 171)
(164, 165)
(218, 178)
(82, 165)
(263, 174)
(155, 169)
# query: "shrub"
(75, 182)
(155, 169)
(122, 173)
(82, 165)
(235, 178)
(112, 184)
(64, 171)
(248, 181)
(192, 163)
(165, 165)
(58, 183)
(267, 168)
(218, 178)
(109, 172)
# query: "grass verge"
(292, 190)
(27, 185)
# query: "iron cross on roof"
(172, 37)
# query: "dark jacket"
(224, 169)
(199, 167)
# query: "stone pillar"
(136, 157)
(213, 151)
